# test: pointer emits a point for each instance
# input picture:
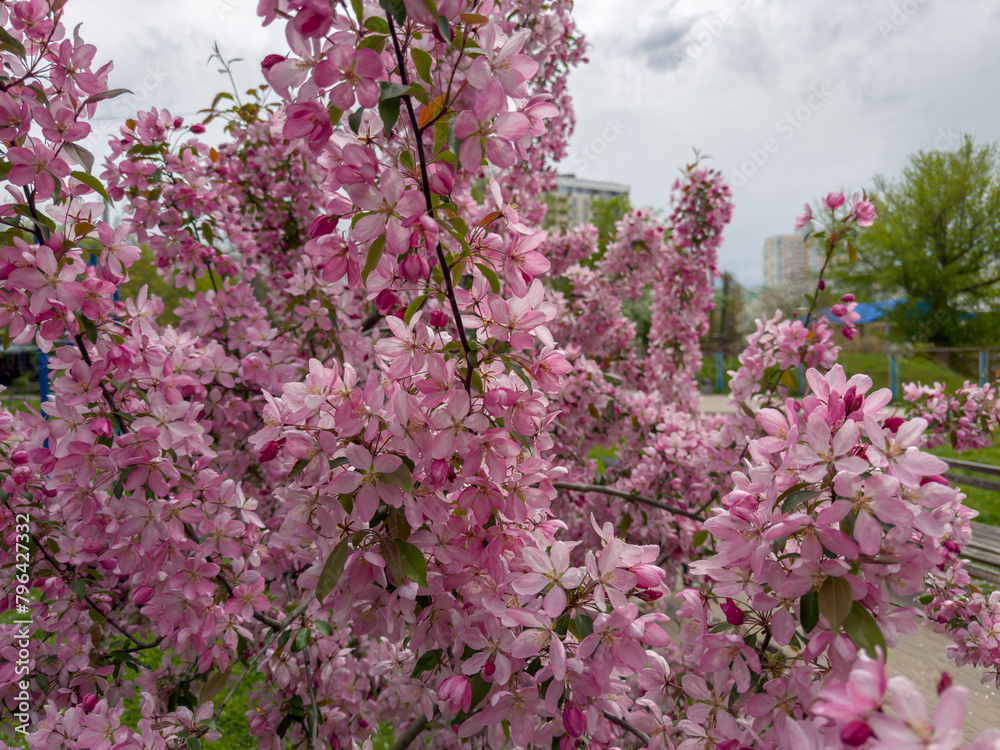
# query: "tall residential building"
(576, 195)
(788, 259)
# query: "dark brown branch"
(425, 183)
(626, 726)
(573, 486)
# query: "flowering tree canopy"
(358, 477)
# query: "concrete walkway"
(921, 657)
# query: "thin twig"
(626, 726)
(425, 182)
(575, 487)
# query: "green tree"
(936, 246)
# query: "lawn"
(985, 501)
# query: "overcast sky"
(789, 98)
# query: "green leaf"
(377, 24)
(796, 499)
(442, 24)
(427, 660)
(89, 329)
(413, 307)
(354, 119)
(194, 743)
(374, 256)
(401, 477)
(10, 43)
(584, 625)
(491, 276)
(700, 538)
(80, 155)
(388, 110)
(393, 560)
(213, 685)
(324, 627)
(809, 611)
(299, 467)
(395, 8)
(332, 570)
(93, 183)
(392, 91)
(78, 587)
(480, 689)
(374, 42)
(864, 632)
(359, 9)
(422, 62)
(835, 599)
(104, 95)
(301, 640)
(414, 563)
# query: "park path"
(922, 656)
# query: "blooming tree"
(357, 476)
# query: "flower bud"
(574, 720)
(734, 615)
(414, 268)
(821, 285)
(20, 458)
(142, 595)
(944, 683)
(438, 318)
(456, 691)
(385, 301)
(270, 61)
(894, 423)
(197, 128)
(268, 451)
(101, 427)
(323, 225)
(855, 733)
(88, 702)
(441, 178)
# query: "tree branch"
(403, 741)
(626, 726)
(573, 486)
(425, 182)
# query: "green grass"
(985, 501)
(875, 366)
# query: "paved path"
(921, 657)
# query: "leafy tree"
(935, 244)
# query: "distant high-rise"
(576, 195)
(788, 260)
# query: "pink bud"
(456, 691)
(574, 720)
(270, 61)
(821, 285)
(414, 268)
(441, 178)
(847, 298)
(88, 702)
(268, 451)
(734, 615)
(439, 472)
(323, 225)
(101, 427)
(384, 301)
(833, 201)
(944, 683)
(489, 669)
(438, 318)
(197, 128)
(855, 733)
(894, 423)
(20, 458)
(142, 595)
(21, 475)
